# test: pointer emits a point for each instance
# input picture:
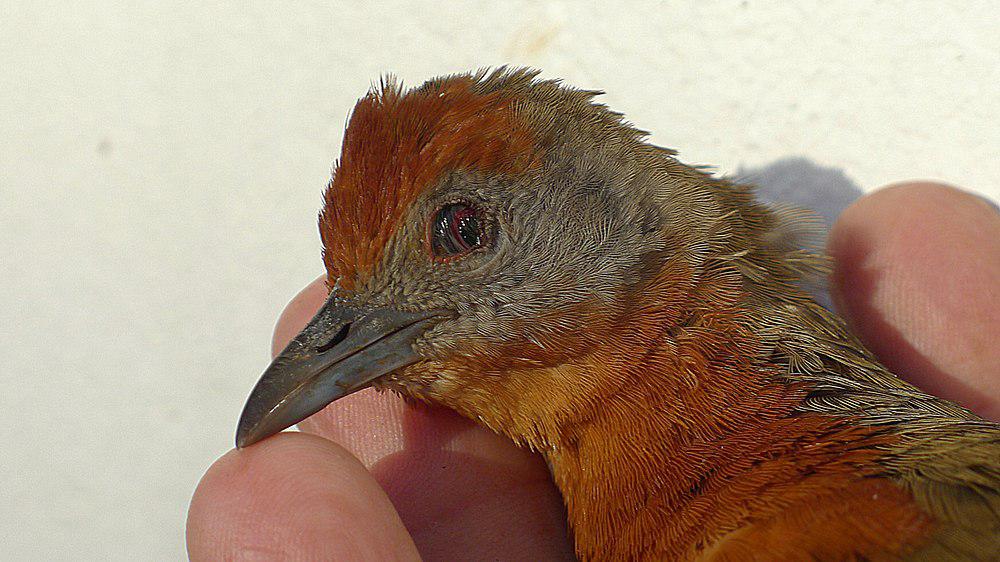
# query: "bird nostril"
(340, 336)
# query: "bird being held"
(503, 246)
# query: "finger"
(916, 277)
(458, 487)
(293, 497)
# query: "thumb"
(916, 276)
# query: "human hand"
(374, 478)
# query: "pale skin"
(374, 478)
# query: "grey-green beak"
(342, 350)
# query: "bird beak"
(342, 350)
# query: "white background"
(161, 169)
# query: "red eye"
(455, 230)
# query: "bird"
(505, 246)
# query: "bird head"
(504, 246)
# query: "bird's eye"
(455, 230)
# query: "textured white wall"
(161, 168)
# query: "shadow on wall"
(800, 182)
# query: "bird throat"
(695, 441)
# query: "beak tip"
(247, 433)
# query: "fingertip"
(915, 275)
(293, 496)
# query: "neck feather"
(698, 435)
